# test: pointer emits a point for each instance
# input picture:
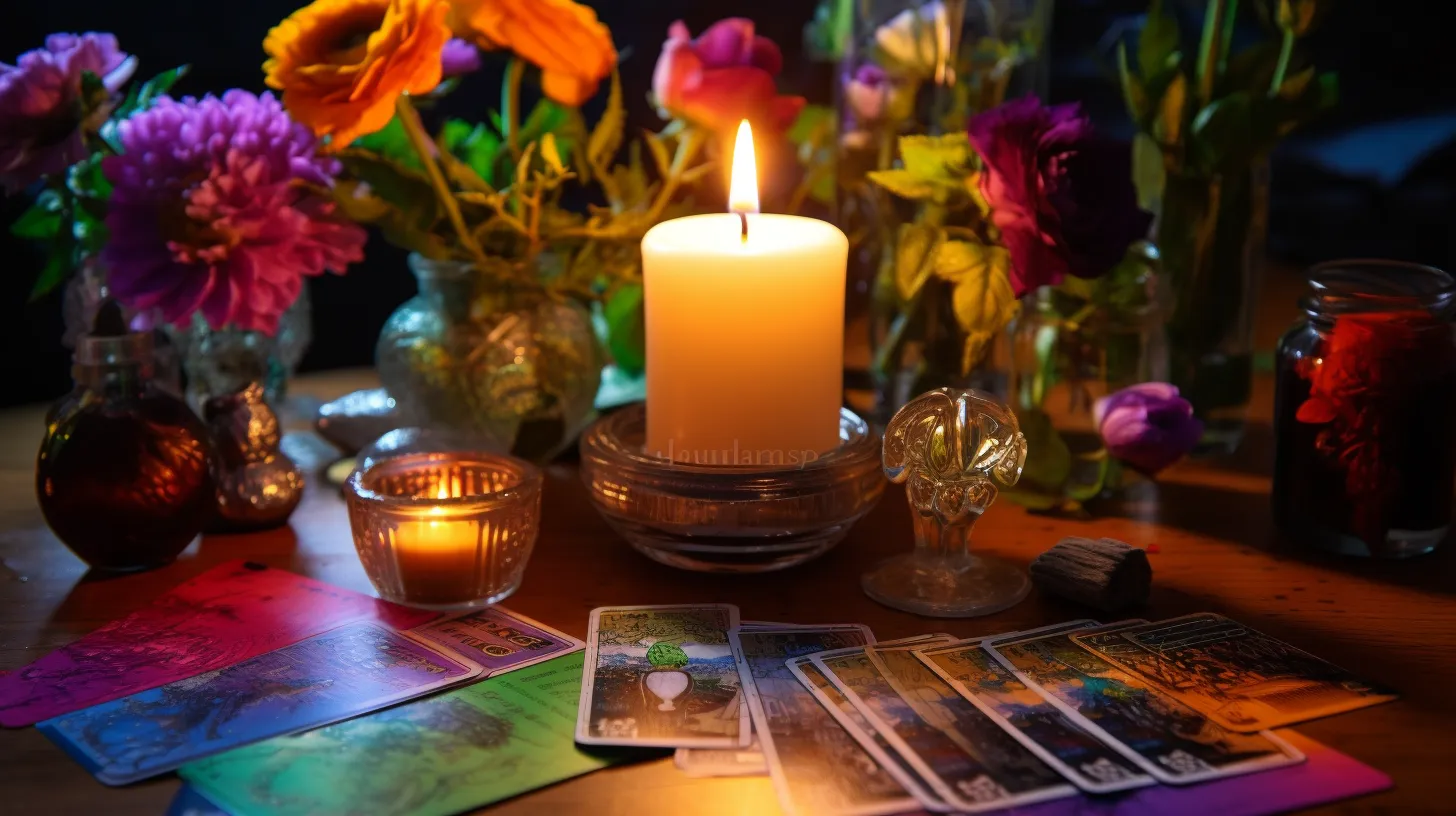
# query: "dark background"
(1376, 178)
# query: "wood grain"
(1394, 623)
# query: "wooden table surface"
(1394, 623)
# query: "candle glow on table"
(745, 332)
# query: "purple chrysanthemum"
(40, 103)
(212, 211)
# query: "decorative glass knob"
(950, 448)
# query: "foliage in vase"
(1208, 117)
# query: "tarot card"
(442, 755)
(662, 676)
(190, 802)
(715, 762)
(224, 616)
(1025, 715)
(957, 777)
(498, 639)
(864, 732)
(1019, 772)
(351, 670)
(816, 767)
(1167, 739)
(1240, 678)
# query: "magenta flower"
(1064, 201)
(41, 108)
(216, 210)
(458, 57)
(1148, 426)
(723, 77)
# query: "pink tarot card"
(226, 615)
(1325, 776)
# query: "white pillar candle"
(745, 332)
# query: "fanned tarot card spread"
(713, 762)
(817, 768)
(957, 776)
(226, 615)
(863, 731)
(446, 754)
(1042, 727)
(662, 676)
(498, 639)
(352, 670)
(1167, 739)
(1240, 678)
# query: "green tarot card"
(457, 751)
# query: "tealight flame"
(743, 183)
(444, 491)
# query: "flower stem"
(425, 149)
(687, 149)
(1281, 68)
(511, 103)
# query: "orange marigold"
(564, 39)
(342, 64)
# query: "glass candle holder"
(444, 530)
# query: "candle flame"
(443, 492)
(743, 183)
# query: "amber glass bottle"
(1365, 411)
(124, 473)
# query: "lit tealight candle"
(745, 331)
(439, 553)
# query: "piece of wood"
(1102, 573)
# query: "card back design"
(1035, 723)
(1240, 678)
(1167, 739)
(816, 767)
(662, 676)
(224, 616)
(447, 754)
(354, 669)
(498, 639)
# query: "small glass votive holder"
(444, 529)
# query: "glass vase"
(1210, 233)
(917, 67)
(218, 362)
(513, 367)
(82, 297)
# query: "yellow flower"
(342, 64)
(564, 39)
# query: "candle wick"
(743, 217)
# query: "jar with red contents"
(1365, 411)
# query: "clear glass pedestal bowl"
(729, 518)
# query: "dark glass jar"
(1365, 411)
(124, 476)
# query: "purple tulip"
(867, 93)
(1063, 199)
(458, 58)
(1148, 426)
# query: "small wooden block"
(1103, 573)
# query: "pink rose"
(723, 77)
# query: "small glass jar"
(1365, 443)
(444, 529)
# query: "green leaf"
(660, 157)
(1158, 40)
(42, 220)
(473, 144)
(915, 252)
(1221, 134)
(396, 198)
(827, 35)
(1168, 127)
(1134, 93)
(562, 122)
(982, 298)
(903, 183)
(1148, 171)
(551, 155)
(811, 125)
(393, 144)
(606, 137)
(57, 266)
(160, 84)
(626, 330)
(1048, 459)
(938, 158)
